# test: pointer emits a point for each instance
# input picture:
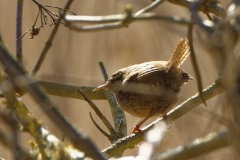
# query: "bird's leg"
(137, 127)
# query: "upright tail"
(180, 54)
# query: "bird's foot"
(137, 129)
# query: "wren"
(151, 88)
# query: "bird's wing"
(148, 72)
(142, 74)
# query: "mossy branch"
(22, 80)
(132, 140)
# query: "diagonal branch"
(152, 6)
(131, 140)
(19, 31)
(197, 147)
(99, 128)
(97, 111)
(48, 145)
(20, 78)
(118, 115)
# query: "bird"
(150, 89)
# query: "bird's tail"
(180, 54)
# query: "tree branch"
(133, 139)
(50, 39)
(197, 147)
(118, 114)
(19, 31)
(21, 78)
(127, 17)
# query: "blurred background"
(74, 56)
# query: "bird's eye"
(117, 75)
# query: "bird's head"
(113, 83)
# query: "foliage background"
(73, 59)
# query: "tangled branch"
(43, 13)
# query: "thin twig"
(197, 147)
(123, 20)
(60, 9)
(34, 30)
(150, 7)
(53, 16)
(50, 39)
(194, 7)
(19, 31)
(118, 115)
(219, 118)
(194, 62)
(108, 21)
(97, 111)
(209, 16)
(99, 128)
(103, 69)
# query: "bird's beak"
(100, 87)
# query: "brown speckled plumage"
(150, 88)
